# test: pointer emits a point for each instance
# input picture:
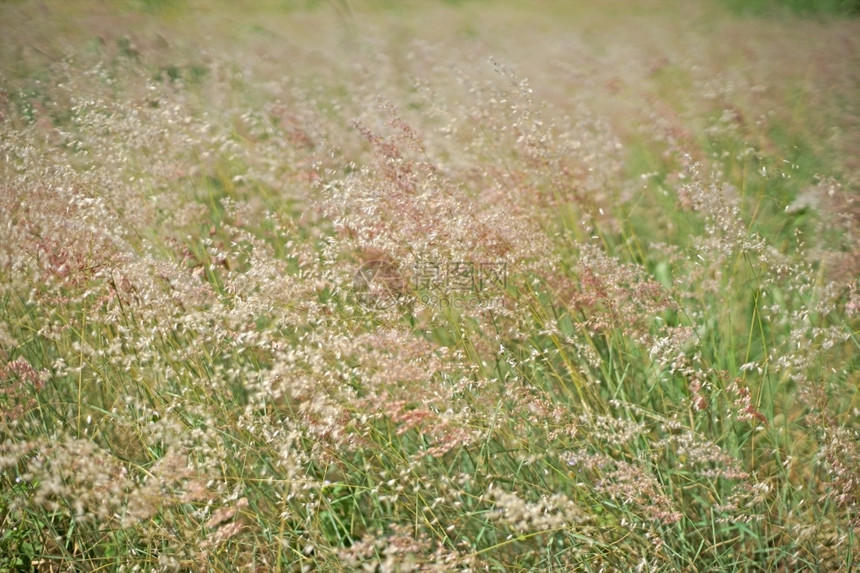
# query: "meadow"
(379, 286)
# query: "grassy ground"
(429, 286)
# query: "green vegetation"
(363, 287)
(803, 7)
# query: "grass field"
(364, 285)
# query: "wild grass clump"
(403, 313)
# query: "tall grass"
(377, 304)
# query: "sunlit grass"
(615, 327)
